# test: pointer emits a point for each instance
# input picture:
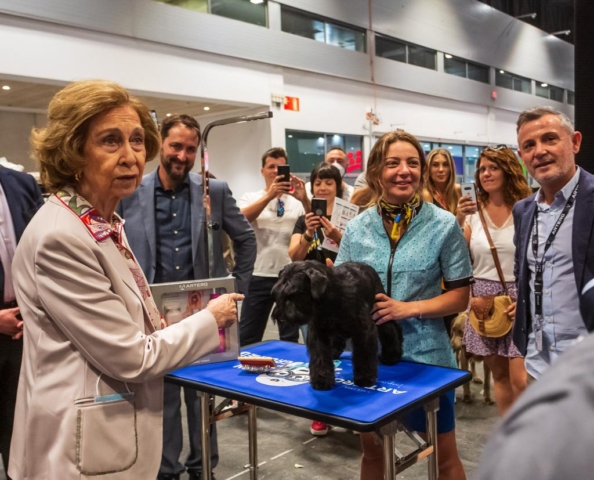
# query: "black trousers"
(256, 310)
(11, 352)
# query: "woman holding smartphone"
(311, 229)
(500, 184)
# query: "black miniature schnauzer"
(335, 304)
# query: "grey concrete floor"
(287, 450)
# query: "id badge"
(538, 335)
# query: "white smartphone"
(468, 190)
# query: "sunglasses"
(280, 210)
(496, 147)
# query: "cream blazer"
(87, 335)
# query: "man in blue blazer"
(20, 198)
(553, 238)
(164, 223)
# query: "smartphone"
(319, 207)
(469, 190)
(285, 171)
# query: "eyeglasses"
(280, 210)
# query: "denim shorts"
(446, 416)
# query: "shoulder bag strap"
(493, 251)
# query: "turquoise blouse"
(432, 248)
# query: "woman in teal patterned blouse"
(413, 246)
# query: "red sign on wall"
(292, 103)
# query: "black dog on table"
(335, 304)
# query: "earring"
(77, 176)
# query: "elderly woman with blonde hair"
(95, 351)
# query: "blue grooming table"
(399, 390)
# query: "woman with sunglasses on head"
(500, 183)
(412, 245)
(440, 187)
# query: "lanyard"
(538, 281)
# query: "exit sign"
(292, 103)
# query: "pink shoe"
(319, 429)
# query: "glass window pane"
(480, 73)
(353, 145)
(305, 150)
(454, 66)
(303, 25)
(471, 156)
(504, 79)
(427, 147)
(556, 93)
(240, 10)
(345, 37)
(542, 89)
(392, 49)
(570, 97)
(522, 84)
(421, 56)
(196, 5)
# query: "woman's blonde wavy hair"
(58, 148)
(451, 193)
(375, 164)
(515, 186)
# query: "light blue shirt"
(432, 248)
(561, 319)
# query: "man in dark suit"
(553, 228)
(20, 198)
(165, 227)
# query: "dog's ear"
(319, 283)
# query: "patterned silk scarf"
(400, 214)
(102, 230)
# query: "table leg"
(431, 409)
(253, 441)
(205, 409)
(389, 457)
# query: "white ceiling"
(35, 97)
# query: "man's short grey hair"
(535, 113)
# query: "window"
(319, 29)
(513, 82)
(405, 52)
(549, 91)
(242, 10)
(570, 97)
(307, 149)
(463, 68)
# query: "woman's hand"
(312, 223)
(224, 309)
(330, 231)
(465, 207)
(386, 309)
(511, 311)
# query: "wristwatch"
(307, 238)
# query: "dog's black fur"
(336, 305)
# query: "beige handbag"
(488, 315)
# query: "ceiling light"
(447, 55)
(544, 84)
(501, 71)
(206, 108)
(450, 147)
(256, 2)
(290, 136)
(168, 115)
(5, 87)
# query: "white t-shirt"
(273, 233)
(483, 265)
(347, 191)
